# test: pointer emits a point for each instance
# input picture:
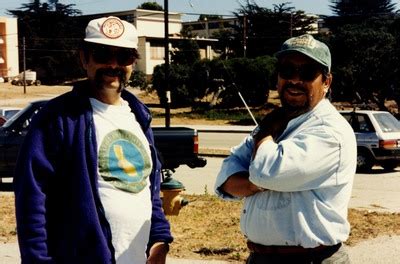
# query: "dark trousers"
(332, 255)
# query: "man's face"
(108, 67)
(300, 83)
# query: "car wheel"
(389, 165)
(364, 161)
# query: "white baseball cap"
(112, 31)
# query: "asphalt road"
(378, 191)
(225, 141)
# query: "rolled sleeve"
(238, 161)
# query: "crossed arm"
(238, 184)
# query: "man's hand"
(271, 127)
(272, 124)
(158, 253)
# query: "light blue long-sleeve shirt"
(308, 173)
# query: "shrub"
(252, 77)
(178, 80)
(138, 79)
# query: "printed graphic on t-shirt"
(123, 161)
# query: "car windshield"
(387, 122)
(9, 113)
(12, 118)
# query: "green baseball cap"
(307, 45)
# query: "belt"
(261, 249)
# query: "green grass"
(236, 116)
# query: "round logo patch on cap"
(113, 28)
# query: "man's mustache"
(296, 86)
(117, 72)
(111, 72)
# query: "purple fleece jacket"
(60, 218)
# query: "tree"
(186, 52)
(225, 43)
(357, 12)
(365, 62)
(50, 32)
(262, 30)
(362, 8)
(185, 55)
(151, 6)
(366, 50)
(252, 77)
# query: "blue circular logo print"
(123, 161)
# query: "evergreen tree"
(362, 7)
(151, 6)
(50, 32)
(358, 12)
(363, 60)
(363, 43)
(262, 30)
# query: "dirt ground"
(18, 96)
(209, 228)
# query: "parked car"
(176, 145)
(2, 120)
(30, 79)
(378, 138)
(8, 112)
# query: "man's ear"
(328, 81)
(327, 85)
(83, 59)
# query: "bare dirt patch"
(7, 219)
(12, 95)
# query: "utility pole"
(207, 29)
(166, 62)
(24, 63)
(244, 36)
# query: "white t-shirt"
(124, 167)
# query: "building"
(206, 28)
(9, 66)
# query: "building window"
(157, 52)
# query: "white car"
(8, 112)
(378, 138)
